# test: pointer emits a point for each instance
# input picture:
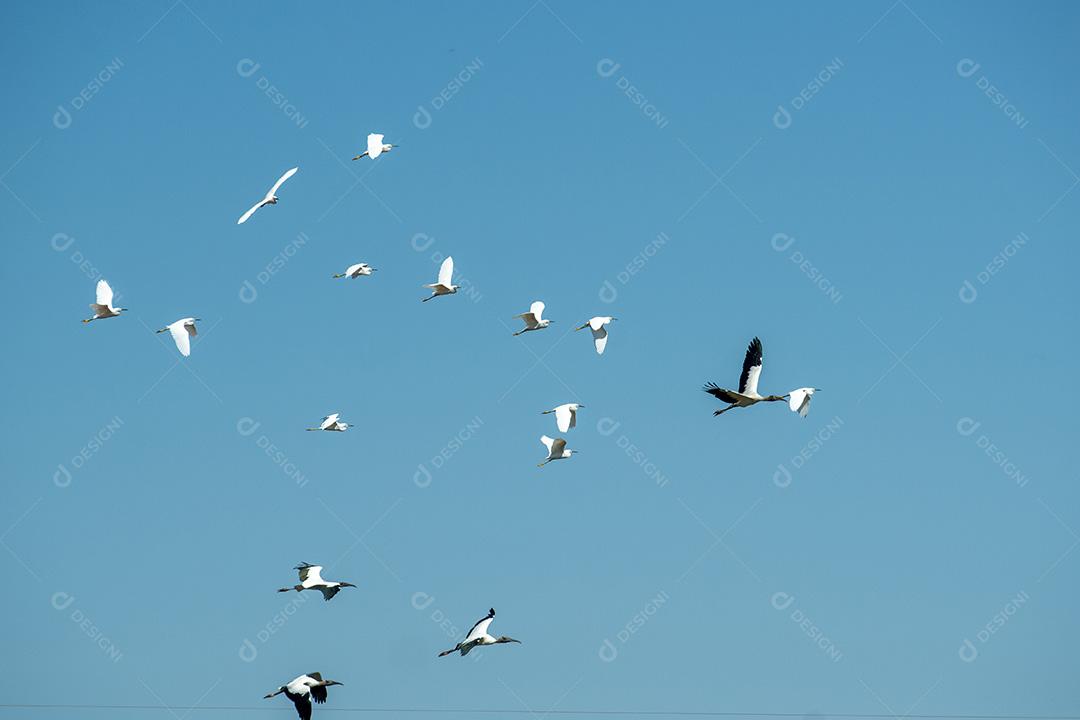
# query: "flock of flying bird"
(310, 687)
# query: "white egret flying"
(331, 424)
(375, 147)
(182, 331)
(565, 415)
(303, 690)
(270, 199)
(355, 271)
(748, 383)
(799, 400)
(103, 308)
(557, 449)
(479, 636)
(599, 332)
(311, 579)
(444, 285)
(533, 319)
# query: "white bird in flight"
(444, 285)
(479, 636)
(533, 319)
(748, 383)
(182, 331)
(375, 146)
(331, 424)
(599, 332)
(103, 307)
(565, 415)
(355, 271)
(270, 199)
(311, 579)
(799, 400)
(557, 449)
(303, 690)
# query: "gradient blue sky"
(899, 537)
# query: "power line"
(477, 711)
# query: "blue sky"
(884, 193)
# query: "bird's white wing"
(311, 572)
(244, 218)
(599, 337)
(557, 447)
(480, 629)
(547, 441)
(354, 268)
(104, 293)
(564, 418)
(281, 181)
(598, 322)
(446, 272)
(751, 369)
(537, 310)
(374, 145)
(181, 337)
(329, 420)
(799, 400)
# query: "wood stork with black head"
(748, 383)
(303, 690)
(375, 147)
(557, 449)
(799, 400)
(355, 271)
(533, 319)
(270, 199)
(331, 423)
(565, 415)
(311, 579)
(103, 308)
(479, 636)
(444, 285)
(182, 331)
(599, 332)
